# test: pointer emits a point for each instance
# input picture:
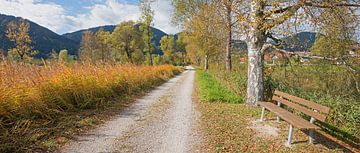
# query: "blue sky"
(64, 16)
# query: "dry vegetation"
(41, 96)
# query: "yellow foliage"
(34, 92)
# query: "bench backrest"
(310, 108)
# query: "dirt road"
(162, 121)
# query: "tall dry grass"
(31, 94)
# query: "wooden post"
(277, 117)
(262, 114)
(311, 132)
(291, 132)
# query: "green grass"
(212, 91)
(226, 126)
(328, 85)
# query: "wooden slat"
(289, 117)
(304, 102)
(297, 107)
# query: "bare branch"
(329, 5)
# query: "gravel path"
(163, 121)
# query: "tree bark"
(149, 45)
(255, 87)
(206, 66)
(228, 61)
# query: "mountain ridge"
(45, 40)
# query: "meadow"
(36, 100)
(229, 121)
(330, 85)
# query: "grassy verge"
(227, 127)
(308, 83)
(42, 107)
(213, 91)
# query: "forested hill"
(77, 35)
(302, 41)
(44, 40)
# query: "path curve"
(161, 121)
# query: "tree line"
(130, 42)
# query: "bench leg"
(311, 136)
(277, 117)
(311, 132)
(262, 114)
(291, 132)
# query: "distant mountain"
(77, 35)
(43, 39)
(302, 41)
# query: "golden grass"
(30, 93)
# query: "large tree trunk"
(229, 39)
(206, 65)
(255, 87)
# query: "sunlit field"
(33, 95)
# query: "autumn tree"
(205, 35)
(168, 46)
(264, 17)
(181, 47)
(227, 9)
(18, 32)
(261, 20)
(127, 39)
(53, 55)
(102, 40)
(88, 47)
(63, 56)
(228, 19)
(147, 19)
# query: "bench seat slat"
(289, 117)
(304, 102)
(297, 107)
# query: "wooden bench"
(313, 110)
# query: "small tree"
(18, 32)
(169, 48)
(147, 18)
(88, 47)
(102, 45)
(53, 55)
(181, 47)
(63, 56)
(127, 39)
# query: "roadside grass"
(213, 91)
(328, 85)
(43, 107)
(226, 126)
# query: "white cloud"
(46, 14)
(54, 16)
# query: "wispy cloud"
(56, 18)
